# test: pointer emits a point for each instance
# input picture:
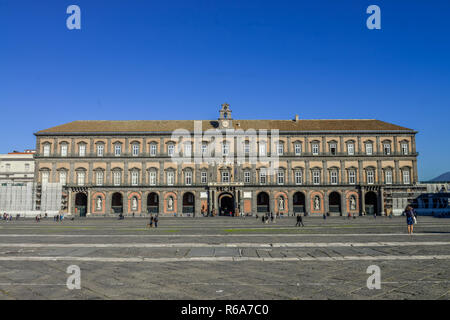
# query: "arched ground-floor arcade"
(226, 200)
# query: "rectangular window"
(187, 150)
(170, 178)
(225, 176)
(117, 178)
(351, 149)
(134, 178)
(369, 149)
(280, 149)
(46, 150)
(100, 149)
(316, 177)
(99, 178)
(333, 149)
(387, 149)
(27, 167)
(262, 176)
(153, 149)
(370, 177)
(44, 177)
(406, 179)
(352, 177)
(334, 177)
(262, 149)
(388, 177)
(280, 177)
(404, 148)
(62, 177)
(170, 150)
(298, 149)
(204, 177)
(225, 148)
(247, 147)
(204, 149)
(315, 149)
(152, 178)
(188, 178)
(64, 150)
(135, 150)
(117, 150)
(298, 177)
(82, 150)
(247, 176)
(81, 177)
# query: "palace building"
(227, 166)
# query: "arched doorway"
(262, 202)
(334, 202)
(371, 202)
(188, 202)
(152, 203)
(81, 204)
(226, 204)
(117, 202)
(299, 202)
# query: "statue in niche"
(134, 204)
(352, 203)
(281, 203)
(170, 204)
(99, 203)
(316, 203)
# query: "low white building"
(17, 167)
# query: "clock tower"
(225, 119)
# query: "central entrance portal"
(226, 201)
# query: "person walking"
(155, 220)
(150, 224)
(271, 217)
(299, 221)
(410, 219)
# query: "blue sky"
(139, 59)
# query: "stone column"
(307, 203)
(341, 144)
(395, 145)
(290, 201)
(343, 203)
(379, 172)
(342, 172)
(362, 201)
(89, 207)
(359, 146)
(144, 173)
(160, 203)
(396, 172)
(289, 172)
(324, 145)
(381, 206)
(379, 149)
(108, 203)
(325, 172)
(108, 173)
(272, 202)
(198, 204)
(179, 202)
(307, 180)
(360, 172)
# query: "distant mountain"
(442, 177)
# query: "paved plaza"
(225, 258)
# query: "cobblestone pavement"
(225, 258)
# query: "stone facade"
(324, 166)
